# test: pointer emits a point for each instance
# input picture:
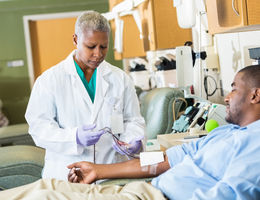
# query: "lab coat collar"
(102, 84)
(101, 89)
(69, 64)
(70, 69)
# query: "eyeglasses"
(120, 144)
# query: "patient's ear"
(255, 96)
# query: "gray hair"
(91, 20)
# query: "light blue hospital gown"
(223, 165)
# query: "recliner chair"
(21, 162)
(16, 134)
(20, 165)
(157, 109)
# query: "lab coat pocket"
(116, 114)
(112, 104)
(117, 124)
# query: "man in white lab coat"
(73, 101)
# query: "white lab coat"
(59, 104)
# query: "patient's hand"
(83, 172)
(74, 175)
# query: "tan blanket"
(55, 189)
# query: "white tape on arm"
(151, 158)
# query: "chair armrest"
(15, 135)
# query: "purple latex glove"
(133, 147)
(122, 149)
(86, 135)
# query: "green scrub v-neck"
(91, 85)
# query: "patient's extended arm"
(86, 172)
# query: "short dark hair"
(251, 75)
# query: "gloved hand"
(120, 147)
(133, 147)
(86, 136)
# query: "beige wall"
(233, 53)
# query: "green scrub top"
(91, 86)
